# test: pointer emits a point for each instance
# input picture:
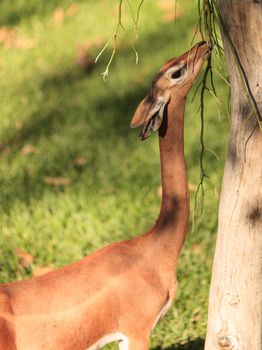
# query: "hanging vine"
(114, 36)
(207, 26)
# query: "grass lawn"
(73, 175)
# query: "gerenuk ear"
(149, 114)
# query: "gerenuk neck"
(172, 223)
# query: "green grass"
(64, 112)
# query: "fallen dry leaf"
(8, 36)
(25, 259)
(196, 318)
(79, 162)
(71, 10)
(56, 181)
(170, 10)
(169, 17)
(28, 149)
(39, 270)
(197, 248)
(84, 60)
(18, 125)
(25, 43)
(59, 16)
(196, 310)
(10, 39)
(90, 44)
(166, 5)
(196, 314)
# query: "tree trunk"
(235, 301)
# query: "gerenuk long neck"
(172, 223)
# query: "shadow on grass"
(197, 344)
(70, 120)
(77, 116)
(73, 125)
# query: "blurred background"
(73, 175)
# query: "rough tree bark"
(235, 302)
